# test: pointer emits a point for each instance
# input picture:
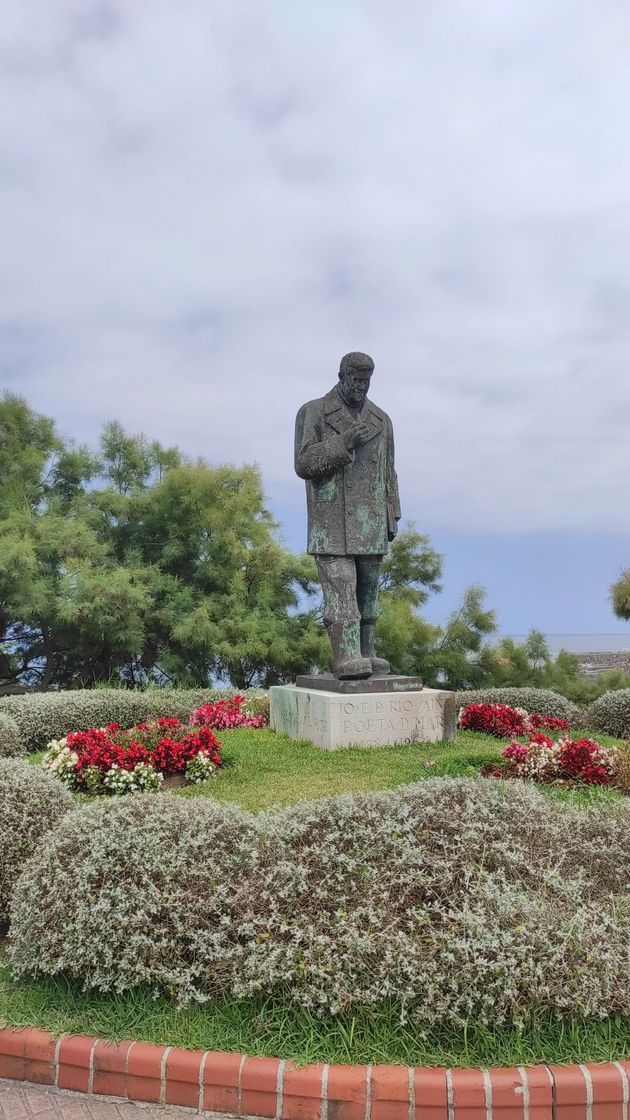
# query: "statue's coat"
(352, 496)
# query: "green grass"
(271, 1027)
(263, 769)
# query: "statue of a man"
(344, 449)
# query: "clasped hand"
(357, 434)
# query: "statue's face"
(355, 383)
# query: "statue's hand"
(357, 434)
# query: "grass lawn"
(263, 769)
(272, 1028)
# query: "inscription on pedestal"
(332, 720)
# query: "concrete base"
(330, 720)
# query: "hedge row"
(40, 717)
(454, 898)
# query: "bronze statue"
(344, 449)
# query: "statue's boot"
(348, 664)
(380, 666)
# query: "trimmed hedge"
(43, 716)
(453, 898)
(9, 736)
(31, 803)
(610, 713)
(541, 700)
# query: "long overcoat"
(352, 496)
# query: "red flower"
(146, 742)
(225, 715)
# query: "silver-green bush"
(41, 717)
(541, 700)
(9, 736)
(610, 713)
(149, 889)
(31, 803)
(455, 898)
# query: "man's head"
(355, 372)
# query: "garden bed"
(260, 770)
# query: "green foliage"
(610, 713)
(411, 569)
(31, 803)
(584, 691)
(269, 1026)
(160, 569)
(41, 717)
(620, 595)
(454, 899)
(452, 656)
(462, 657)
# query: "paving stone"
(22, 1101)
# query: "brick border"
(213, 1081)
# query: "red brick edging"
(214, 1081)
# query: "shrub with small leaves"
(31, 803)
(540, 700)
(140, 890)
(9, 736)
(41, 717)
(610, 713)
(454, 898)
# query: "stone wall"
(593, 664)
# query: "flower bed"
(568, 760)
(500, 720)
(126, 760)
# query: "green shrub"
(541, 700)
(41, 717)
(31, 803)
(9, 736)
(144, 890)
(610, 713)
(454, 898)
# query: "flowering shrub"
(143, 776)
(501, 721)
(541, 700)
(115, 760)
(581, 760)
(42, 716)
(199, 768)
(226, 714)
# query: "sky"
(205, 204)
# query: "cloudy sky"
(205, 203)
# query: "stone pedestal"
(362, 719)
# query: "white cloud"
(204, 206)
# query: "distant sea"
(582, 643)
